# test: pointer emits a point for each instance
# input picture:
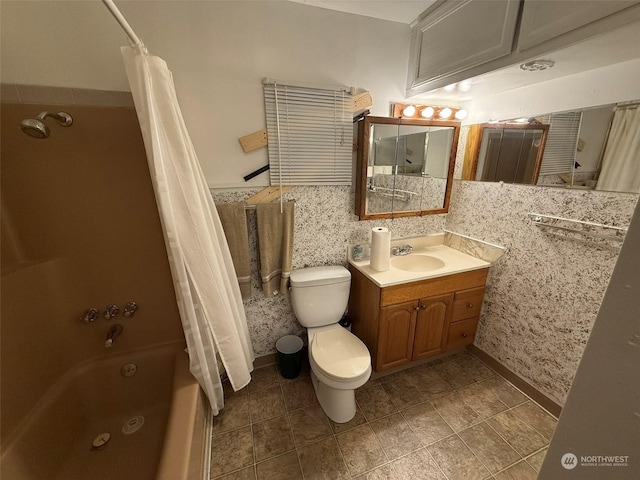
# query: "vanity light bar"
(427, 112)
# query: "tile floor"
(452, 418)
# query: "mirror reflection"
(408, 165)
(593, 148)
(510, 153)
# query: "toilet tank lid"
(312, 276)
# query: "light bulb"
(450, 88)
(427, 112)
(461, 114)
(445, 112)
(464, 86)
(409, 111)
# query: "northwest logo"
(569, 461)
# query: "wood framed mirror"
(404, 166)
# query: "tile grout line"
(436, 463)
(480, 460)
(522, 458)
(547, 440)
(535, 453)
(529, 398)
(344, 461)
(422, 447)
(429, 400)
(288, 415)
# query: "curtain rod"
(123, 23)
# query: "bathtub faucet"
(130, 308)
(114, 331)
(90, 315)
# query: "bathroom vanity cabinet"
(411, 321)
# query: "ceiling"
(403, 11)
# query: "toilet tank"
(319, 295)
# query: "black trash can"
(289, 355)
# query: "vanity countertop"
(455, 261)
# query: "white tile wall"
(324, 225)
(543, 297)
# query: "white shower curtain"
(206, 288)
(621, 160)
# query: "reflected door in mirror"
(505, 153)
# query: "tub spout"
(113, 332)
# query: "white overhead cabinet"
(543, 21)
(458, 39)
(456, 36)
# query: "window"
(310, 133)
(560, 150)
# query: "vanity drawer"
(406, 292)
(467, 304)
(461, 333)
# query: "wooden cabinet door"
(395, 340)
(431, 324)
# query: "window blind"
(562, 138)
(310, 133)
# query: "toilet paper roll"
(380, 249)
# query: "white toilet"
(340, 362)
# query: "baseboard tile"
(536, 395)
(265, 360)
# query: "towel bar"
(595, 231)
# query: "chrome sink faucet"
(114, 331)
(401, 250)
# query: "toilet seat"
(339, 354)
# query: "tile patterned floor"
(449, 419)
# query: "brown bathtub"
(155, 420)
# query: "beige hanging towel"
(275, 245)
(234, 223)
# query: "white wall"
(219, 51)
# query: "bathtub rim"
(178, 459)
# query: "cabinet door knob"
(423, 306)
(464, 335)
(417, 308)
(469, 305)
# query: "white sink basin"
(430, 258)
(417, 263)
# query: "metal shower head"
(35, 127)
